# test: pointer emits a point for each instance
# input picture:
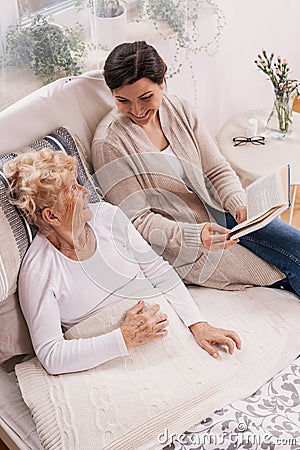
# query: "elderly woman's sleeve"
(118, 178)
(56, 354)
(160, 273)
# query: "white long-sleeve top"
(56, 292)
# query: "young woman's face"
(139, 101)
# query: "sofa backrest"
(77, 103)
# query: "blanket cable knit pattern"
(168, 384)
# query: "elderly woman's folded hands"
(141, 326)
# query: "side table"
(253, 161)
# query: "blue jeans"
(277, 243)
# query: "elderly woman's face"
(139, 101)
(77, 210)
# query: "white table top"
(253, 161)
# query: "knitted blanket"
(170, 384)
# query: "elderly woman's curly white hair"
(38, 180)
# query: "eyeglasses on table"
(243, 140)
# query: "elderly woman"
(85, 258)
(154, 158)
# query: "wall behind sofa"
(229, 81)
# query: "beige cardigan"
(135, 175)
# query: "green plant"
(101, 8)
(183, 19)
(170, 11)
(48, 49)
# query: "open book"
(266, 198)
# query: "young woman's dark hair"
(131, 61)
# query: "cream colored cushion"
(14, 335)
(78, 103)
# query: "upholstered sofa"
(64, 115)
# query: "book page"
(267, 198)
(260, 221)
(255, 219)
(265, 193)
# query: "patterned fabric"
(15, 237)
(61, 139)
(268, 420)
(5, 158)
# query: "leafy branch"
(48, 49)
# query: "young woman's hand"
(214, 339)
(241, 214)
(141, 326)
(215, 237)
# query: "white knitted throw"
(171, 384)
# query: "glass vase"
(280, 121)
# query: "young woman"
(154, 158)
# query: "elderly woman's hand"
(216, 237)
(140, 327)
(214, 339)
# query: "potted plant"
(183, 18)
(107, 21)
(50, 50)
(280, 121)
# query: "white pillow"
(77, 102)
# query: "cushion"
(16, 236)
(77, 102)
(169, 384)
(14, 335)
